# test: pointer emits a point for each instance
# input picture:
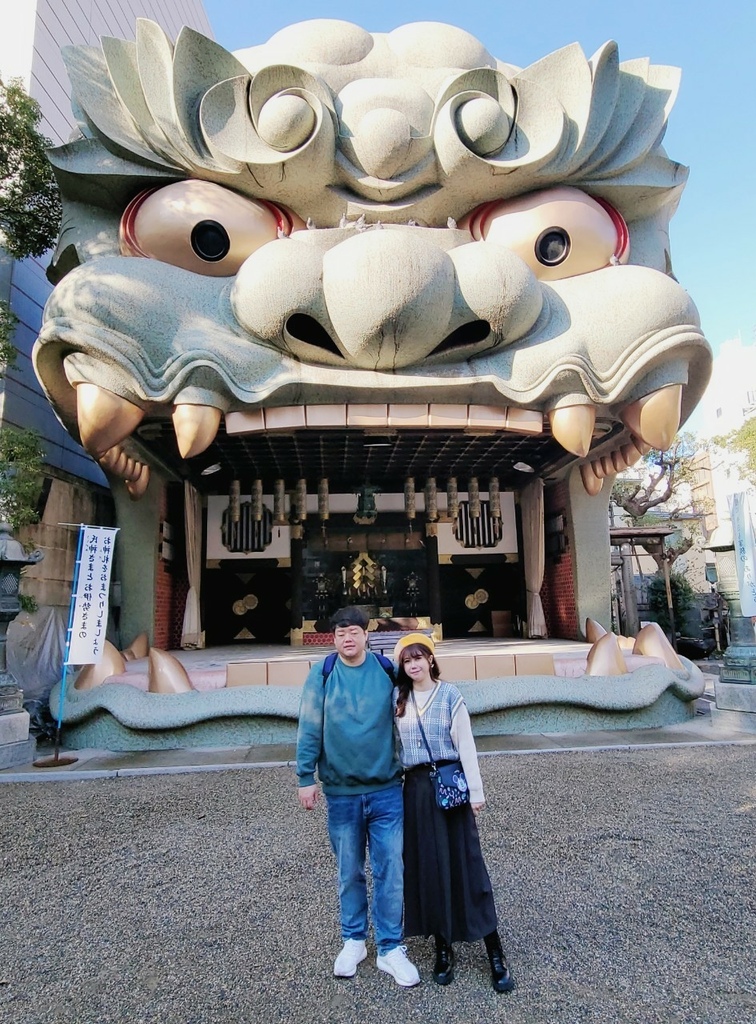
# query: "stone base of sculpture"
(122, 717)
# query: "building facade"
(75, 488)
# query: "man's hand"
(308, 796)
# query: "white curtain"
(531, 503)
(192, 634)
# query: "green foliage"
(28, 603)
(742, 440)
(682, 598)
(29, 198)
(8, 321)
(21, 457)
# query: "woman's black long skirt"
(447, 890)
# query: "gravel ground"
(624, 882)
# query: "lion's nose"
(389, 297)
(383, 298)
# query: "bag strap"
(422, 732)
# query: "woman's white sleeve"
(462, 738)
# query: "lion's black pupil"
(210, 240)
(552, 247)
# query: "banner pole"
(56, 760)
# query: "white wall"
(729, 400)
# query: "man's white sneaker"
(402, 970)
(353, 953)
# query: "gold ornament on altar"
(367, 578)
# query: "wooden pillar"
(432, 574)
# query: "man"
(346, 731)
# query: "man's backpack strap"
(386, 664)
(328, 665)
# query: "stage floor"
(219, 657)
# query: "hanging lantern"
(300, 500)
(409, 497)
(452, 498)
(234, 495)
(279, 503)
(323, 511)
(494, 498)
(473, 497)
(431, 500)
(257, 501)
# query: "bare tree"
(663, 481)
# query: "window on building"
(719, 413)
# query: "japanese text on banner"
(90, 615)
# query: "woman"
(447, 891)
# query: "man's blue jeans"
(375, 820)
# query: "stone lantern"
(735, 689)
(15, 745)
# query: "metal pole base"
(56, 761)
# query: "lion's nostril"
(307, 329)
(467, 334)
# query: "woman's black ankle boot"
(443, 969)
(500, 974)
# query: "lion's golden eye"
(200, 227)
(560, 232)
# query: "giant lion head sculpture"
(336, 219)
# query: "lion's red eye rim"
(284, 223)
(128, 235)
(620, 225)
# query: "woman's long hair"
(404, 682)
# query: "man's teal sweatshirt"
(346, 729)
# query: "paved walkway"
(623, 878)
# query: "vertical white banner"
(745, 550)
(89, 619)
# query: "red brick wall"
(558, 590)
(171, 582)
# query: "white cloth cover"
(531, 503)
(741, 513)
(192, 634)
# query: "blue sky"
(712, 128)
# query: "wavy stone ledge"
(117, 716)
